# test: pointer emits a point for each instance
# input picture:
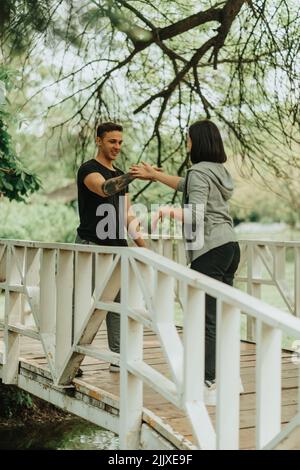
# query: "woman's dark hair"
(207, 144)
(108, 127)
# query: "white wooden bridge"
(57, 296)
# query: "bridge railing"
(263, 263)
(70, 288)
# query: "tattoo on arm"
(115, 185)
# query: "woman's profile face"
(189, 143)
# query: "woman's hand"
(166, 211)
(144, 171)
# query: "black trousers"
(219, 263)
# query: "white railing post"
(131, 387)
(64, 304)
(193, 367)
(82, 288)
(228, 375)
(47, 302)
(45, 274)
(12, 316)
(297, 281)
(32, 280)
(268, 383)
(254, 271)
(164, 319)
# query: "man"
(104, 207)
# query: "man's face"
(110, 144)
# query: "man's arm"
(105, 188)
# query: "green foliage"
(25, 16)
(13, 401)
(15, 182)
(51, 222)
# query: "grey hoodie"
(210, 184)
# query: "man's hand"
(145, 171)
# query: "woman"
(207, 183)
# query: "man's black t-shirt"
(101, 218)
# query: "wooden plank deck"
(97, 382)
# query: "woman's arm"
(147, 172)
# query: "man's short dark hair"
(108, 127)
(207, 144)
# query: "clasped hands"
(144, 171)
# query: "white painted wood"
(268, 378)
(239, 299)
(145, 278)
(108, 306)
(243, 260)
(279, 257)
(131, 386)
(82, 289)
(297, 282)
(168, 249)
(151, 440)
(180, 253)
(2, 264)
(273, 256)
(180, 257)
(11, 357)
(165, 326)
(108, 280)
(13, 315)
(194, 353)
(75, 406)
(228, 376)
(12, 268)
(16, 288)
(160, 247)
(281, 440)
(103, 264)
(91, 351)
(47, 302)
(19, 253)
(145, 303)
(31, 283)
(64, 302)
(201, 425)
(143, 317)
(33, 300)
(254, 266)
(194, 344)
(24, 331)
(155, 380)
(107, 285)
(165, 430)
